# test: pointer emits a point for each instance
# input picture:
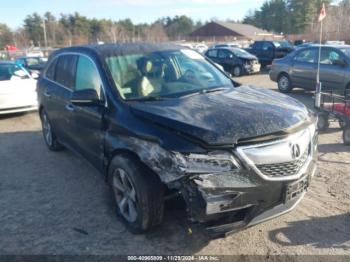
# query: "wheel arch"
(283, 73)
(151, 155)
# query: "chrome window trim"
(250, 164)
(69, 89)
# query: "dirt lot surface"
(56, 203)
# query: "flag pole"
(319, 84)
(319, 54)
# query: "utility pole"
(45, 36)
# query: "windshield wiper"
(207, 90)
(147, 98)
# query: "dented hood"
(225, 117)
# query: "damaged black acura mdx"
(161, 120)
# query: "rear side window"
(50, 72)
(258, 45)
(306, 56)
(87, 76)
(65, 70)
(213, 53)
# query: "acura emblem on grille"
(295, 148)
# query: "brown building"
(224, 31)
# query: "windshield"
(239, 52)
(164, 74)
(283, 44)
(11, 72)
(346, 51)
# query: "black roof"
(107, 50)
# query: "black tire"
(237, 71)
(284, 83)
(143, 192)
(323, 122)
(346, 135)
(342, 124)
(49, 135)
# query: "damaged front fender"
(167, 165)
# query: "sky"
(139, 11)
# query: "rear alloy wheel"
(237, 71)
(284, 84)
(346, 135)
(49, 136)
(138, 193)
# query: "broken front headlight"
(214, 162)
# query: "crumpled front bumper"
(226, 203)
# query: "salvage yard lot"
(56, 203)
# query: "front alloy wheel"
(284, 84)
(125, 195)
(138, 193)
(237, 71)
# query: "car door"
(88, 120)
(58, 95)
(304, 68)
(332, 74)
(267, 52)
(227, 59)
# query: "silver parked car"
(299, 69)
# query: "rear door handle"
(70, 107)
(47, 94)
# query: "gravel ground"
(56, 203)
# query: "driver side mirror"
(86, 97)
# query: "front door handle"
(70, 107)
(47, 94)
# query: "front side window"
(346, 51)
(306, 56)
(12, 72)
(65, 70)
(87, 76)
(223, 54)
(164, 74)
(267, 46)
(329, 56)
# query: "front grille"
(286, 168)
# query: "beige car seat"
(151, 81)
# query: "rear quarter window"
(50, 72)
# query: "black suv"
(235, 61)
(161, 121)
(267, 51)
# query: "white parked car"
(17, 89)
(201, 48)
